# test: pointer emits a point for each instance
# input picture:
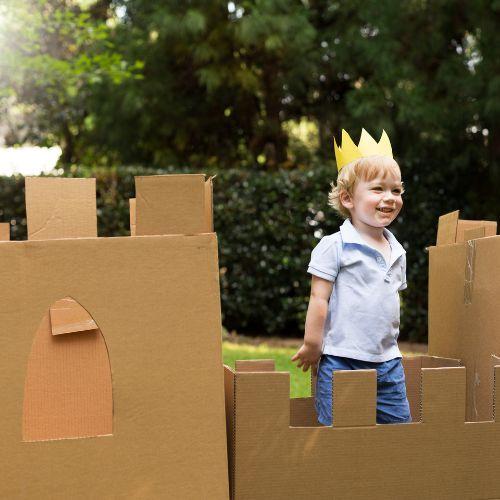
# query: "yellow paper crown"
(367, 146)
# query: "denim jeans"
(392, 404)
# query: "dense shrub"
(267, 225)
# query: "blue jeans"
(392, 404)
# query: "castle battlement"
(425, 459)
(450, 450)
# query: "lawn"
(300, 382)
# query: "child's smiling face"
(375, 203)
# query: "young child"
(352, 320)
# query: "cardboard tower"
(110, 348)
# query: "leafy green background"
(254, 90)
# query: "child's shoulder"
(329, 241)
(332, 239)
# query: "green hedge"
(267, 225)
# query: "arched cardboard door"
(68, 389)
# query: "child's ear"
(346, 199)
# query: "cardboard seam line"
(233, 446)
(469, 271)
(494, 392)
(333, 399)
(420, 405)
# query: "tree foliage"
(214, 84)
(55, 56)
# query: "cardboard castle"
(110, 348)
(450, 451)
(112, 376)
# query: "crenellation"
(263, 396)
(354, 398)
(443, 395)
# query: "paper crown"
(367, 146)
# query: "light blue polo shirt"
(363, 312)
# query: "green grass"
(300, 382)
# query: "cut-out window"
(68, 389)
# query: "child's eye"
(396, 191)
(377, 188)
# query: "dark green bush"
(267, 225)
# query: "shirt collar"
(350, 235)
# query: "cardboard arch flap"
(68, 388)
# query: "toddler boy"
(352, 320)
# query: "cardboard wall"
(156, 301)
(464, 317)
(440, 457)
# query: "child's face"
(375, 203)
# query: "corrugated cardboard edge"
(209, 218)
(132, 210)
(314, 379)
(230, 400)
(496, 389)
(4, 231)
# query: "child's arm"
(310, 352)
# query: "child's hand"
(308, 357)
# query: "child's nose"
(389, 196)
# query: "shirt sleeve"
(403, 274)
(325, 259)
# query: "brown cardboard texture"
(60, 208)
(174, 204)
(4, 231)
(147, 383)
(464, 317)
(451, 229)
(412, 367)
(274, 455)
(68, 316)
(68, 388)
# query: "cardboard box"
(110, 357)
(464, 315)
(277, 450)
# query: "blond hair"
(366, 169)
